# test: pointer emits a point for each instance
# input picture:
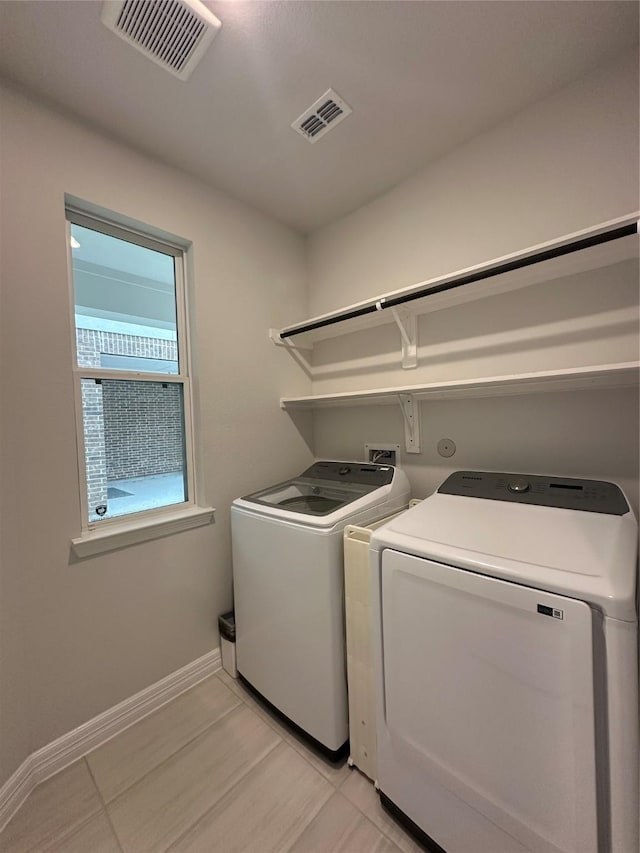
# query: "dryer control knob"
(519, 486)
(344, 470)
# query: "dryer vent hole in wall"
(446, 447)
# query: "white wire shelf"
(568, 255)
(619, 375)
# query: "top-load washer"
(289, 588)
(506, 643)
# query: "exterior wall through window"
(128, 432)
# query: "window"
(131, 371)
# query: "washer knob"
(519, 486)
(344, 470)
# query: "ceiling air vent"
(173, 33)
(327, 112)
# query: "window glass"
(138, 363)
(134, 438)
(131, 374)
(125, 302)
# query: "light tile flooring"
(211, 772)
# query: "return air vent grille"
(327, 112)
(173, 33)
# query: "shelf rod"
(520, 263)
(461, 281)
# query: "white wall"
(77, 637)
(585, 319)
(564, 164)
(592, 434)
(98, 630)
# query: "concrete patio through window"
(139, 493)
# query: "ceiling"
(421, 77)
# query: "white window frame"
(108, 533)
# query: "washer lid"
(328, 492)
(310, 497)
(585, 555)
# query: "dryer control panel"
(561, 492)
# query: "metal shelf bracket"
(410, 409)
(408, 325)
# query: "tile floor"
(211, 772)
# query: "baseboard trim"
(63, 751)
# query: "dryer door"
(488, 710)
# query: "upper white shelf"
(600, 246)
(621, 375)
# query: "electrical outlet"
(382, 453)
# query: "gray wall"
(80, 636)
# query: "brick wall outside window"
(95, 453)
(129, 430)
(142, 428)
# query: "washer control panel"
(518, 485)
(561, 492)
(368, 474)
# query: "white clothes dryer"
(506, 653)
(288, 577)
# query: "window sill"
(133, 532)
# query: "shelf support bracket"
(408, 325)
(299, 354)
(274, 336)
(410, 409)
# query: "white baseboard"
(63, 751)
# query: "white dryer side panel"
(289, 605)
(487, 718)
